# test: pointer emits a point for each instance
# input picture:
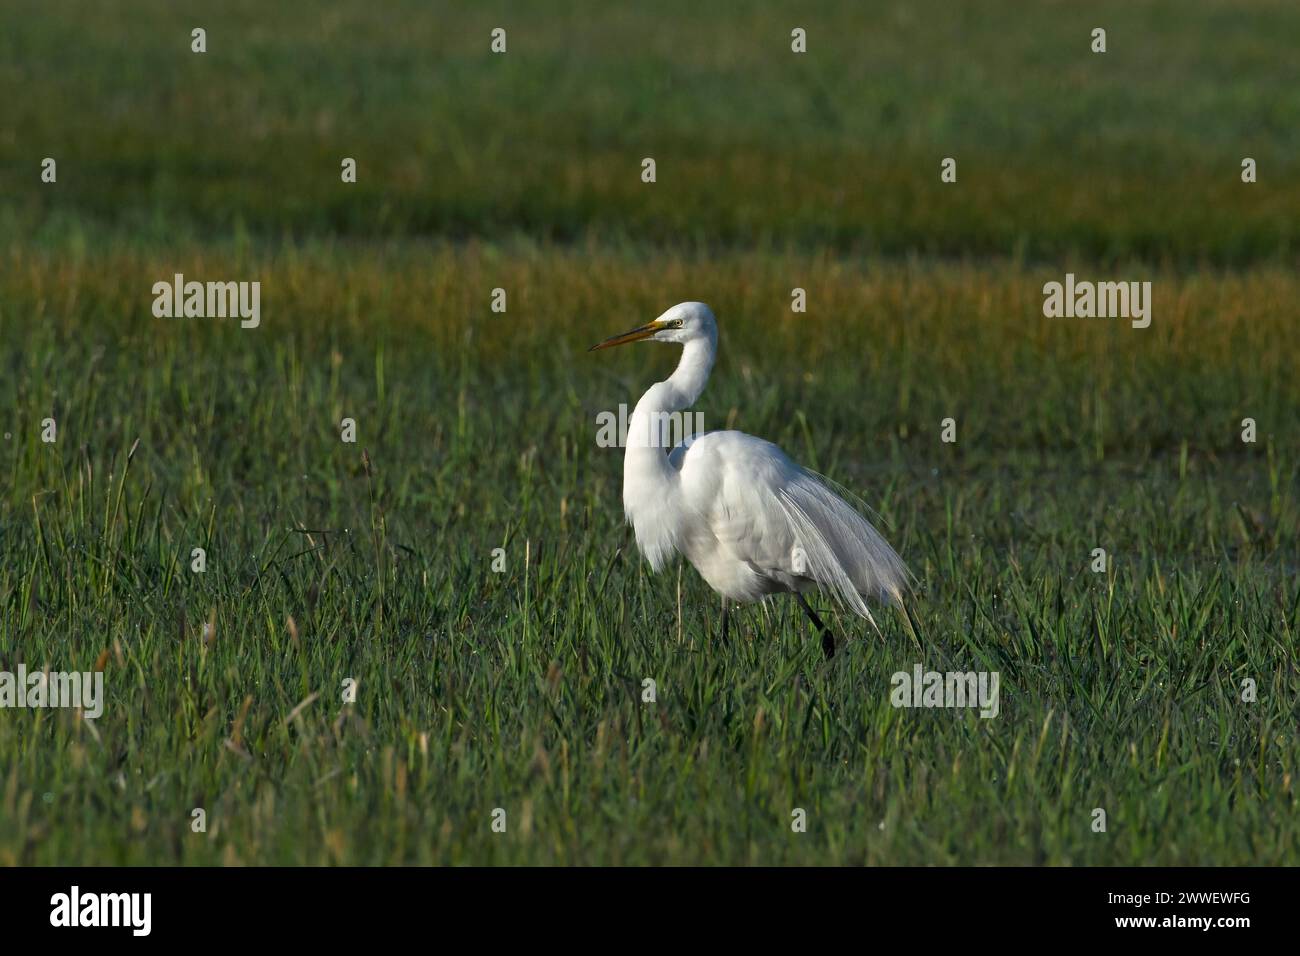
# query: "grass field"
(521, 689)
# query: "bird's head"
(684, 322)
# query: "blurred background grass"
(1135, 152)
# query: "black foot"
(828, 639)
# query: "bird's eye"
(677, 323)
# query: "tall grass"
(522, 689)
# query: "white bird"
(749, 519)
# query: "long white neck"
(649, 480)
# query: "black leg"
(725, 619)
(828, 639)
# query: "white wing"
(784, 521)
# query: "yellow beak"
(635, 335)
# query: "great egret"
(750, 520)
